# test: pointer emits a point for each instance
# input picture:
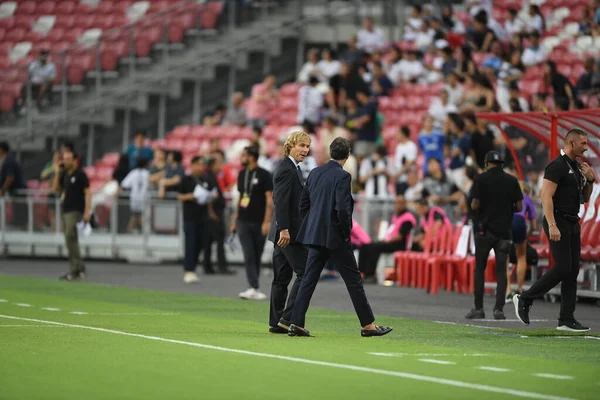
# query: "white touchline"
(405, 375)
(22, 304)
(3, 300)
(552, 376)
(78, 312)
(50, 309)
(428, 360)
(493, 369)
(425, 355)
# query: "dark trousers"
(194, 239)
(216, 233)
(566, 253)
(483, 245)
(343, 259)
(369, 254)
(253, 244)
(70, 220)
(286, 262)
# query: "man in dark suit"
(326, 209)
(289, 256)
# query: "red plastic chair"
(46, 8)
(25, 8)
(15, 35)
(24, 21)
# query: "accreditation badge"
(245, 200)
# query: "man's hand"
(233, 227)
(212, 215)
(86, 216)
(265, 228)
(586, 170)
(554, 233)
(284, 239)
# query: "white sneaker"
(252, 294)
(190, 277)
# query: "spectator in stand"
(443, 65)
(352, 53)
(454, 89)
(510, 72)
(480, 96)
(405, 157)
(474, 7)
(157, 169)
(344, 86)
(516, 44)
(258, 141)
(440, 190)
(252, 219)
(122, 168)
(590, 79)
(396, 239)
(11, 183)
(216, 216)
(174, 172)
(328, 66)
(431, 142)
(459, 149)
(438, 31)
(236, 115)
(513, 24)
(137, 182)
(564, 93)
(431, 219)
(225, 176)
(534, 54)
(515, 96)
(393, 65)
(482, 140)
(481, 37)
(310, 66)
(42, 73)
(538, 102)
(410, 68)
(365, 125)
(123, 210)
(381, 85)
(310, 101)
(215, 118)
(466, 65)
(329, 131)
(413, 189)
(496, 27)
(48, 176)
(536, 22)
(138, 149)
(370, 38)
(424, 37)
(375, 174)
(440, 108)
(74, 188)
(596, 6)
(586, 24)
(413, 24)
(450, 22)
(263, 97)
(491, 65)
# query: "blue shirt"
(368, 131)
(134, 153)
(432, 146)
(493, 62)
(464, 144)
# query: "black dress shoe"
(298, 331)
(277, 329)
(499, 314)
(475, 314)
(378, 331)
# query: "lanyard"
(248, 188)
(578, 180)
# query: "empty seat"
(15, 35)
(65, 8)
(26, 8)
(24, 21)
(64, 21)
(45, 8)
(55, 35)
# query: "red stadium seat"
(104, 8)
(9, 92)
(181, 131)
(25, 8)
(46, 8)
(24, 21)
(7, 23)
(15, 35)
(77, 66)
(55, 35)
(84, 21)
(64, 21)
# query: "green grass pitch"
(82, 341)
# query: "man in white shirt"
(440, 108)
(310, 101)
(535, 53)
(513, 25)
(454, 89)
(413, 23)
(42, 74)
(137, 182)
(370, 38)
(310, 66)
(405, 155)
(410, 69)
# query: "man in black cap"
(496, 196)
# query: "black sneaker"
(72, 276)
(572, 326)
(475, 314)
(521, 309)
(499, 314)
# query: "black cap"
(493, 157)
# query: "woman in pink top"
(263, 97)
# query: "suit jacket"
(287, 190)
(326, 207)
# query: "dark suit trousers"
(216, 233)
(343, 259)
(194, 239)
(286, 262)
(566, 254)
(483, 245)
(369, 254)
(253, 244)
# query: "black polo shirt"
(256, 183)
(497, 192)
(192, 211)
(73, 187)
(11, 167)
(567, 195)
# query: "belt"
(568, 217)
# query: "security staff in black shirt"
(567, 184)
(496, 196)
